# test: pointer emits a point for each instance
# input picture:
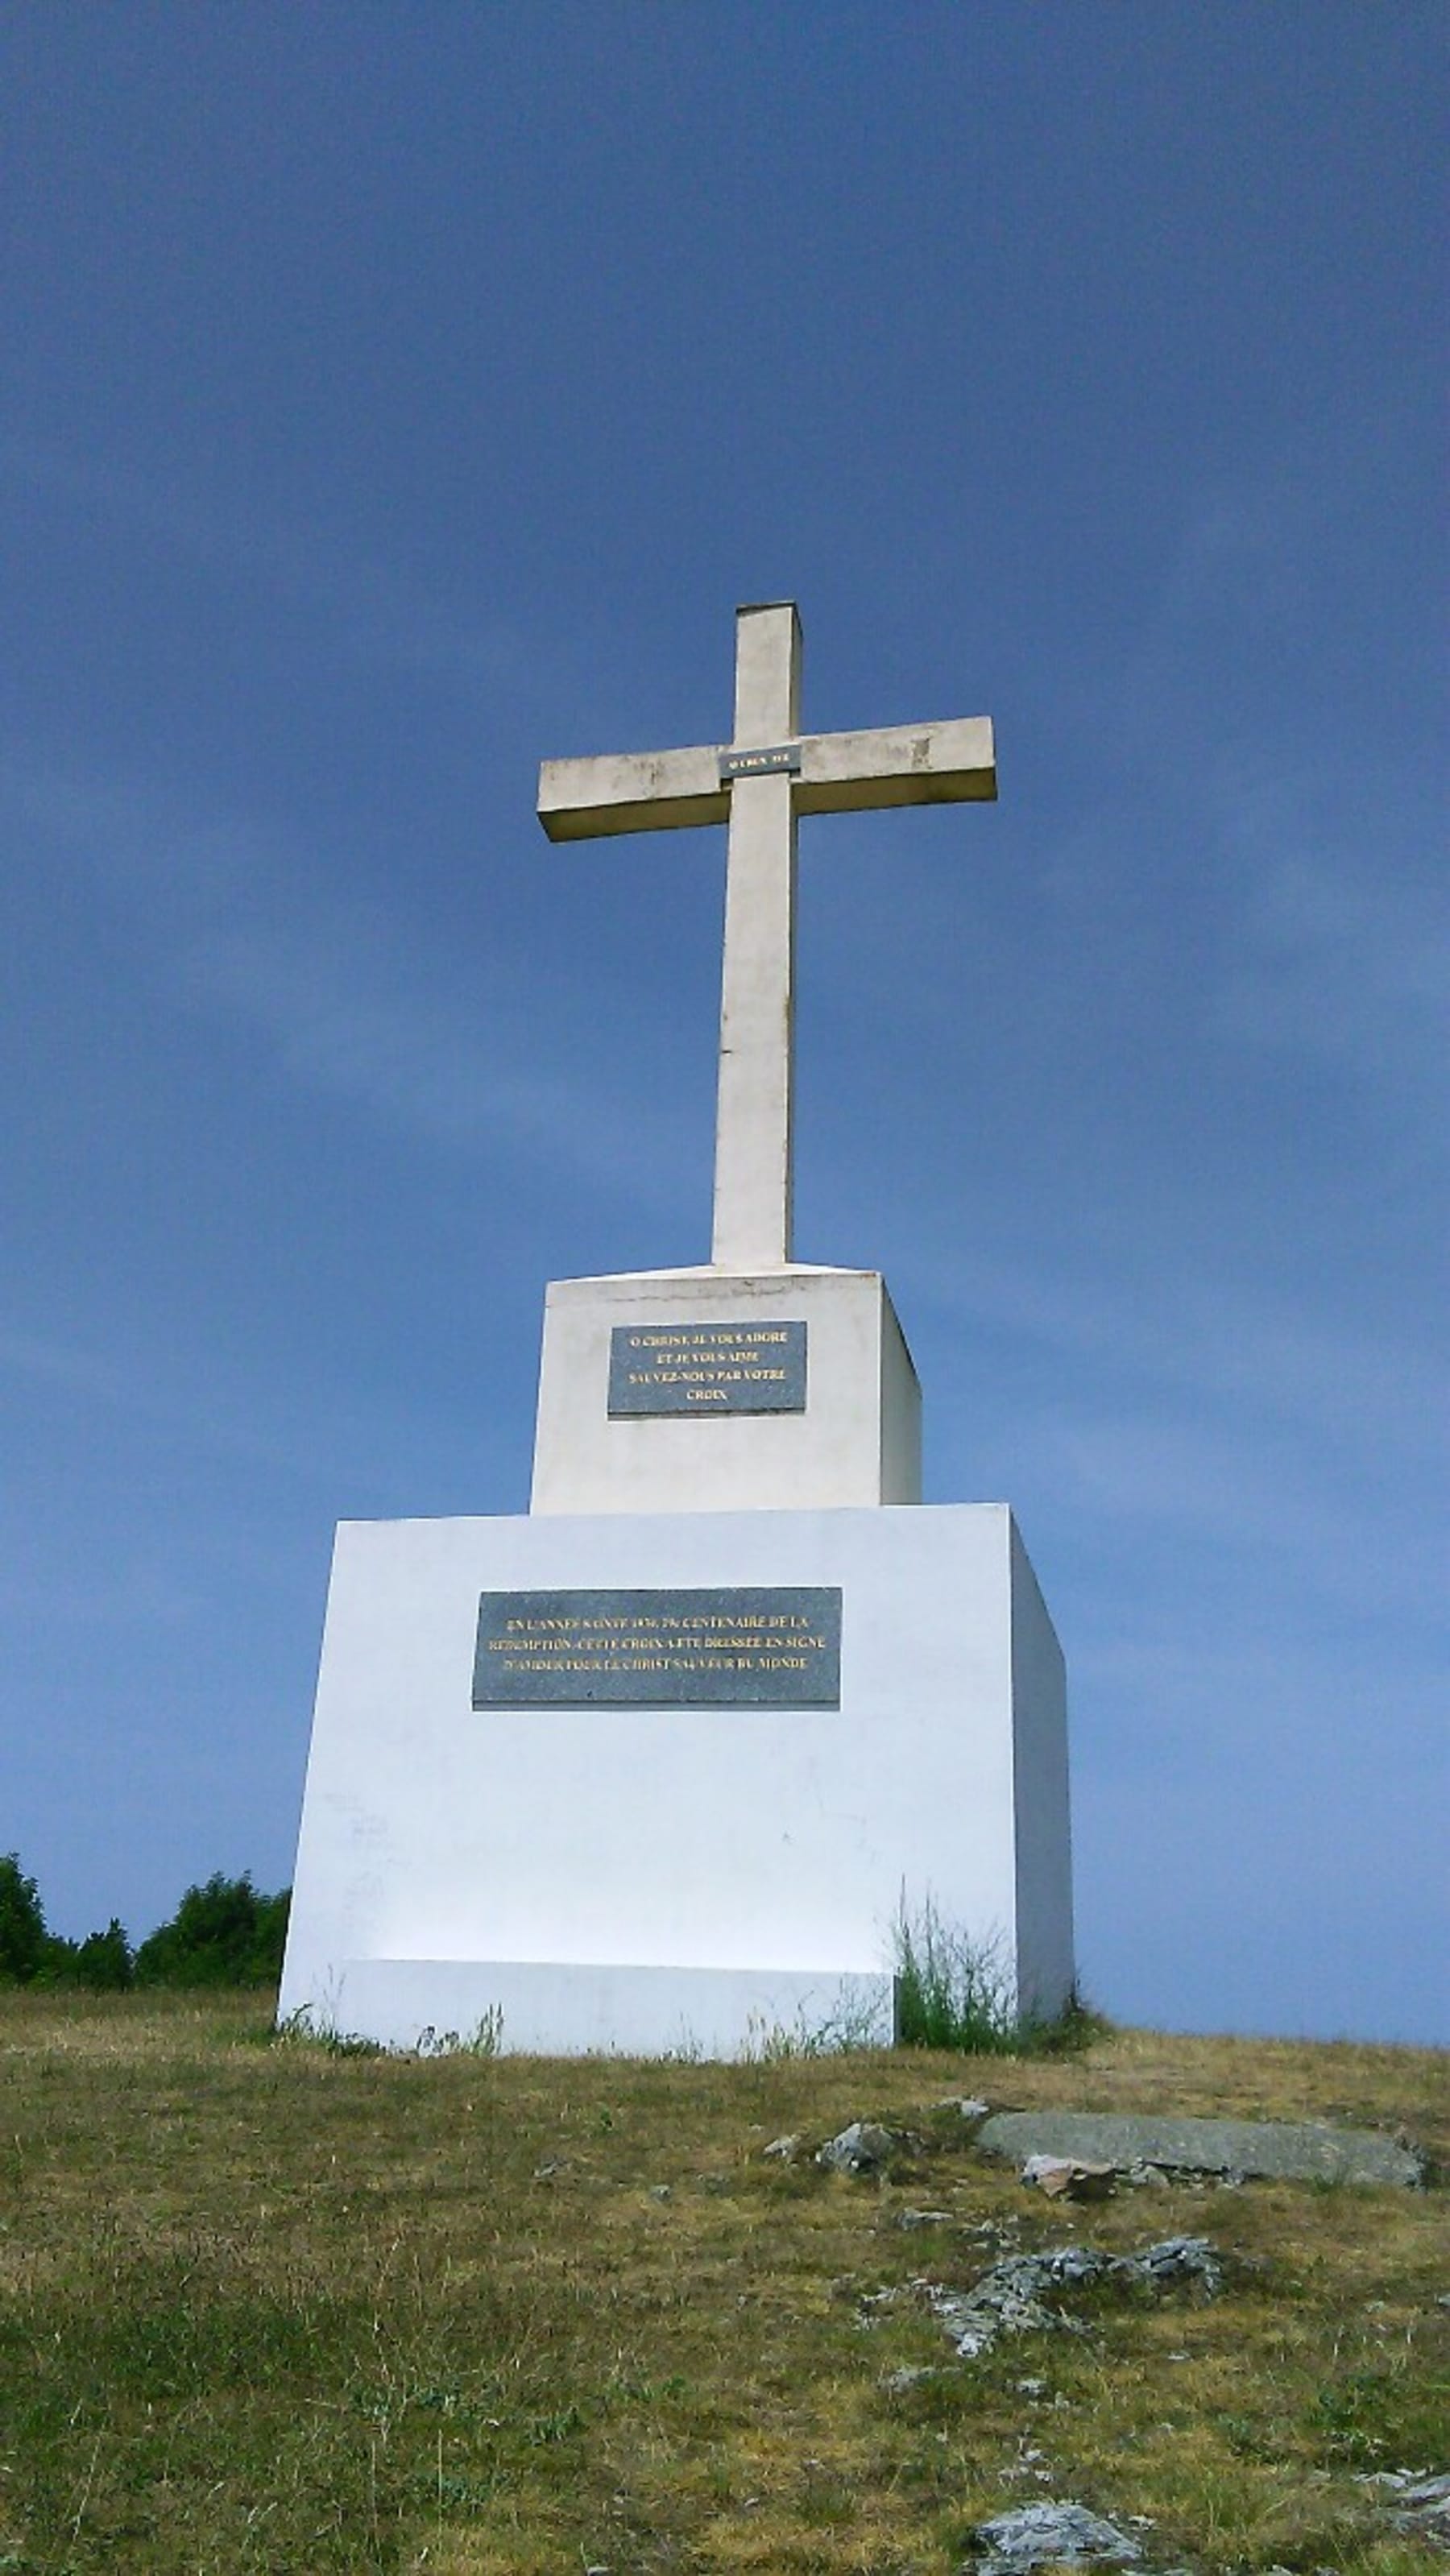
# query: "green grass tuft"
(956, 1991)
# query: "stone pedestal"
(784, 1390)
(677, 1876)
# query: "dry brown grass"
(263, 2307)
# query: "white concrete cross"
(758, 783)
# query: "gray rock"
(897, 2383)
(1013, 2297)
(863, 2148)
(1051, 2535)
(971, 2329)
(1419, 2505)
(1009, 2298)
(1178, 2258)
(1269, 2150)
(784, 2149)
(908, 2219)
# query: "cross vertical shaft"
(752, 1213)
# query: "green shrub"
(22, 1924)
(223, 1934)
(102, 1962)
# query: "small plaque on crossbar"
(782, 759)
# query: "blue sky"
(394, 397)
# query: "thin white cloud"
(167, 1392)
(1338, 945)
(1342, 959)
(373, 611)
(1151, 1479)
(1208, 1337)
(344, 999)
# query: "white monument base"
(694, 1878)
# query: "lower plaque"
(747, 1647)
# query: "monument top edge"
(748, 607)
(551, 1528)
(783, 1274)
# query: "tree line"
(225, 1933)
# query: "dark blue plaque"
(707, 1368)
(751, 1646)
(772, 760)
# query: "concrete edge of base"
(530, 2007)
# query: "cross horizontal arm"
(930, 764)
(631, 791)
(839, 773)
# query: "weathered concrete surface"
(950, 761)
(761, 799)
(1278, 2151)
(753, 1117)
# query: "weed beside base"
(956, 1990)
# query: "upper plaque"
(707, 1368)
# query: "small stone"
(783, 2149)
(862, 2148)
(912, 2218)
(896, 2383)
(1422, 2507)
(1179, 2258)
(871, 2304)
(1150, 2177)
(1051, 2535)
(660, 2191)
(967, 2103)
(972, 2330)
(1069, 2178)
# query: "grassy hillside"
(266, 2307)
